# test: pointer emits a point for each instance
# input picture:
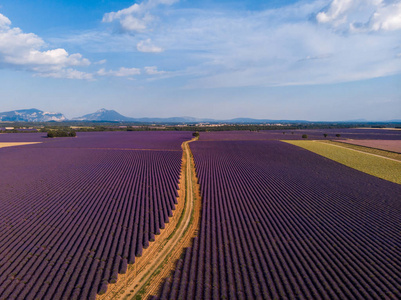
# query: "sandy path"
(2, 145)
(148, 272)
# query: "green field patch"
(385, 153)
(381, 167)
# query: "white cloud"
(273, 47)
(101, 62)
(138, 17)
(147, 46)
(277, 47)
(24, 51)
(387, 17)
(337, 11)
(67, 73)
(122, 72)
(153, 71)
(362, 15)
(4, 21)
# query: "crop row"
(162, 140)
(281, 222)
(70, 231)
(296, 134)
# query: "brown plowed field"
(389, 145)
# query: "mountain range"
(31, 115)
(105, 115)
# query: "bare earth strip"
(146, 275)
(373, 164)
(2, 145)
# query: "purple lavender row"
(69, 242)
(281, 222)
(120, 139)
(315, 134)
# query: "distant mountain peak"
(104, 115)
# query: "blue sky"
(315, 60)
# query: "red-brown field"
(389, 145)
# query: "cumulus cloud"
(275, 47)
(4, 21)
(122, 72)
(153, 71)
(138, 17)
(338, 10)
(24, 51)
(147, 46)
(362, 15)
(348, 40)
(387, 17)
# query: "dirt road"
(149, 271)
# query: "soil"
(2, 145)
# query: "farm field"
(276, 220)
(389, 145)
(74, 212)
(150, 270)
(382, 167)
(282, 222)
(143, 140)
(315, 134)
(375, 151)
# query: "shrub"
(61, 133)
(338, 135)
(304, 136)
(325, 134)
(195, 134)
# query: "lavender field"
(314, 134)
(280, 222)
(277, 221)
(119, 140)
(74, 212)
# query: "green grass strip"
(377, 166)
(389, 154)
